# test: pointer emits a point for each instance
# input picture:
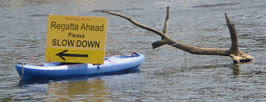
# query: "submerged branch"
(234, 52)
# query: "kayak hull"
(55, 70)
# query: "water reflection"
(85, 90)
(81, 90)
(234, 67)
(236, 70)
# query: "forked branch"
(234, 52)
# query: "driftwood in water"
(234, 52)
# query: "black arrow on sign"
(63, 53)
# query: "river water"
(168, 74)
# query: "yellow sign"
(76, 39)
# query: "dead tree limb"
(234, 52)
(166, 20)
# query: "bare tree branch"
(234, 52)
(234, 48)
(136, 23)
(166, 20)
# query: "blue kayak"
(58, 70)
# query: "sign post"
(76, 39)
